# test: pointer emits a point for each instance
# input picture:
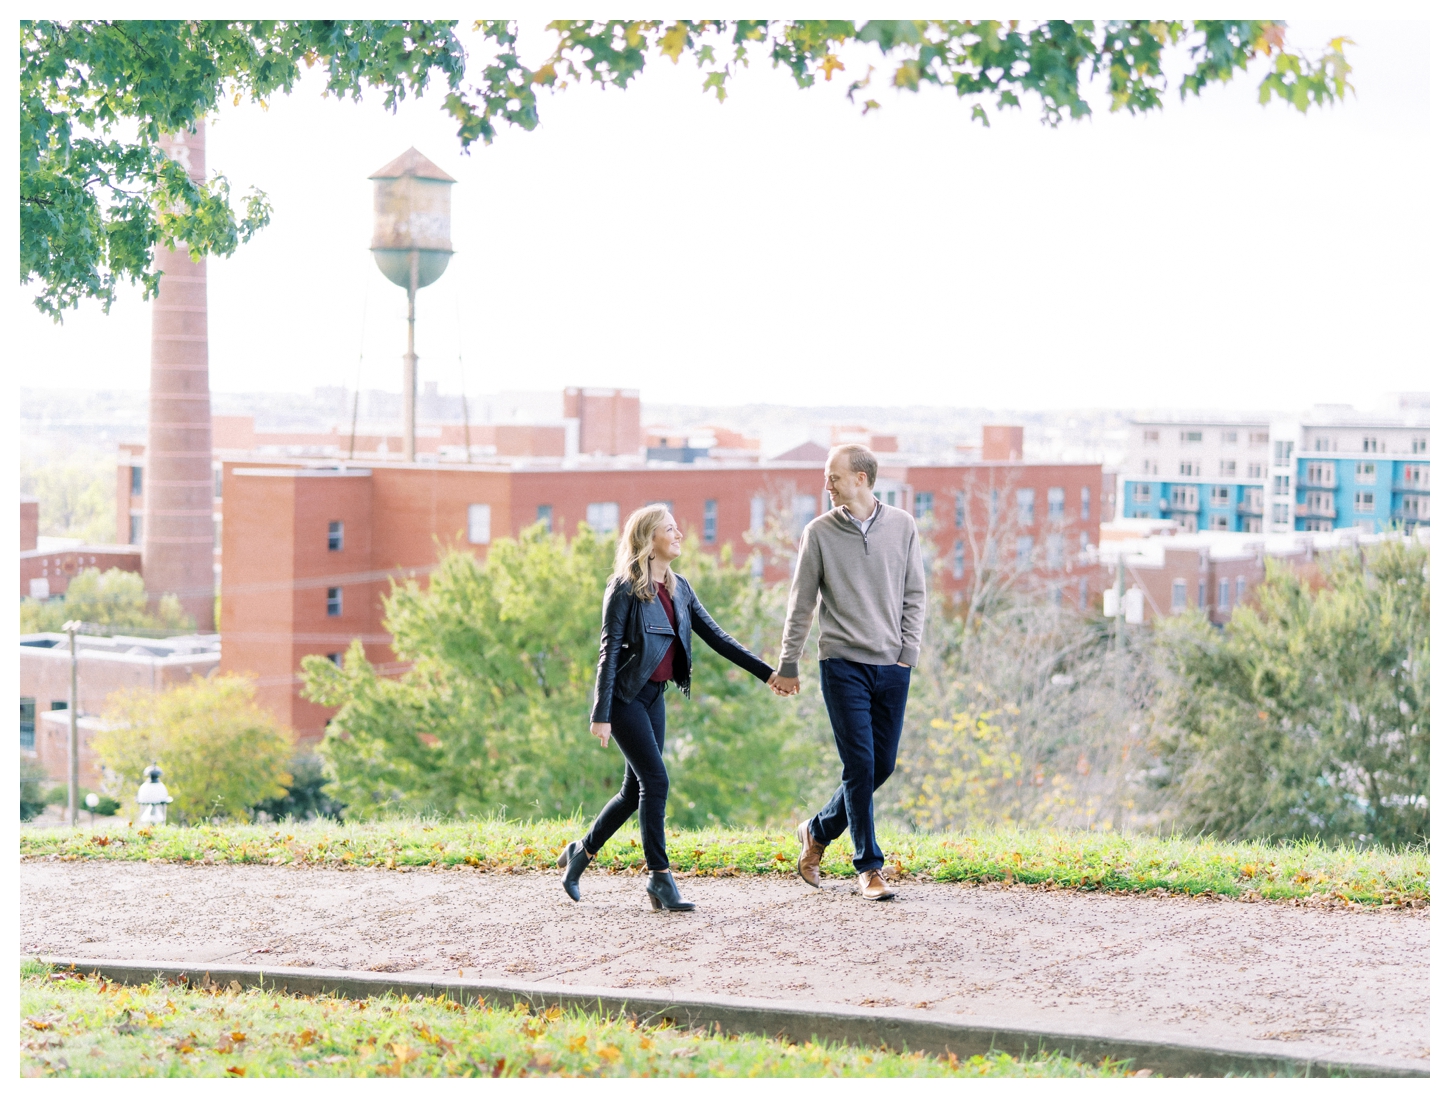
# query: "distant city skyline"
(779, 249)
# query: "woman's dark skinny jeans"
(638, 728)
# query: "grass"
(1101, 861)
(73, 1025)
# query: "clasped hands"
(784, 687)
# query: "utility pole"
(73, 788)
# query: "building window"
(1228, 468)
(216, 487)
(1082, 541)
(336, 658)
(1026, 500)
(802, 510)
(993, 500)
(544, 513)
(961, 509)
(1281, 486)
(1218, 495)
(27, 724)
(603, 518)
(1190, 436)
(1223, 596)
(1024, 549)
(1189, 469)
(757, 565)
(1142, 493)
(1322, 445)
(135, 529)
(1087, 503)
(1180, 595)
(712, 521)
(1055, 499)
(1419, 445)
(334, 602)
(1281, 512)
(1371, 445)
(480, 523)
(959, 559)
(1218, 522)
(216, 533)
(1364, 472)
(924, 504)
(990, 552)
(1320, 473)
(334, 537)
(1239, 585)
(1150, 438)
(1183, 497)
(1254, 470)
(1054, 552)
(1230, 438)
(1258, 438)
(1202, 593)
(757, 513)
(1082, 593)
(1364, 502)
(1283, 451)
(1417, 476)
(135, 480)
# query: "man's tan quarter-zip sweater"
(870, 589)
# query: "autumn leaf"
(577, 1044)
(672, 42)
(832, 64)
(36, 1023)
(235, 1070)
(608, 1053)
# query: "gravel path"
(1330, 984)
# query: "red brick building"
(309, 552)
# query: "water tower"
(411, 216)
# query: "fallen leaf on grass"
(235, 1070)
(608, 1053)
(36, 1023)
(577, 1044)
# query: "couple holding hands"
(860, 565)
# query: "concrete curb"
(898, 1029)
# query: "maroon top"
(665, 671)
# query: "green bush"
(1309, 714)
(219, 752)
(32, 799)
(305, 798)
(114, 599)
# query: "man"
(860, 563)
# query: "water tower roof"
(415, 164)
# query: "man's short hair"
(862, 460)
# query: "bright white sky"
(781, 248)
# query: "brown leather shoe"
(873, 886)
(809, 863)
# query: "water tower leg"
(410, 371)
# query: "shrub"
(219, 752)
(32, 799)
(1309, 714)
(304, 799)
(114, 599)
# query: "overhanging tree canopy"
(97, 195)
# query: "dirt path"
(1297, 981)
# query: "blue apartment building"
(1323, 473)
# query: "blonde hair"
(636, 547)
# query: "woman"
(649, 614)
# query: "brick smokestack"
(177, 535)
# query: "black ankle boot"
(664, 894)
(573, 861)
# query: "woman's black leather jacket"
(636, 635)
